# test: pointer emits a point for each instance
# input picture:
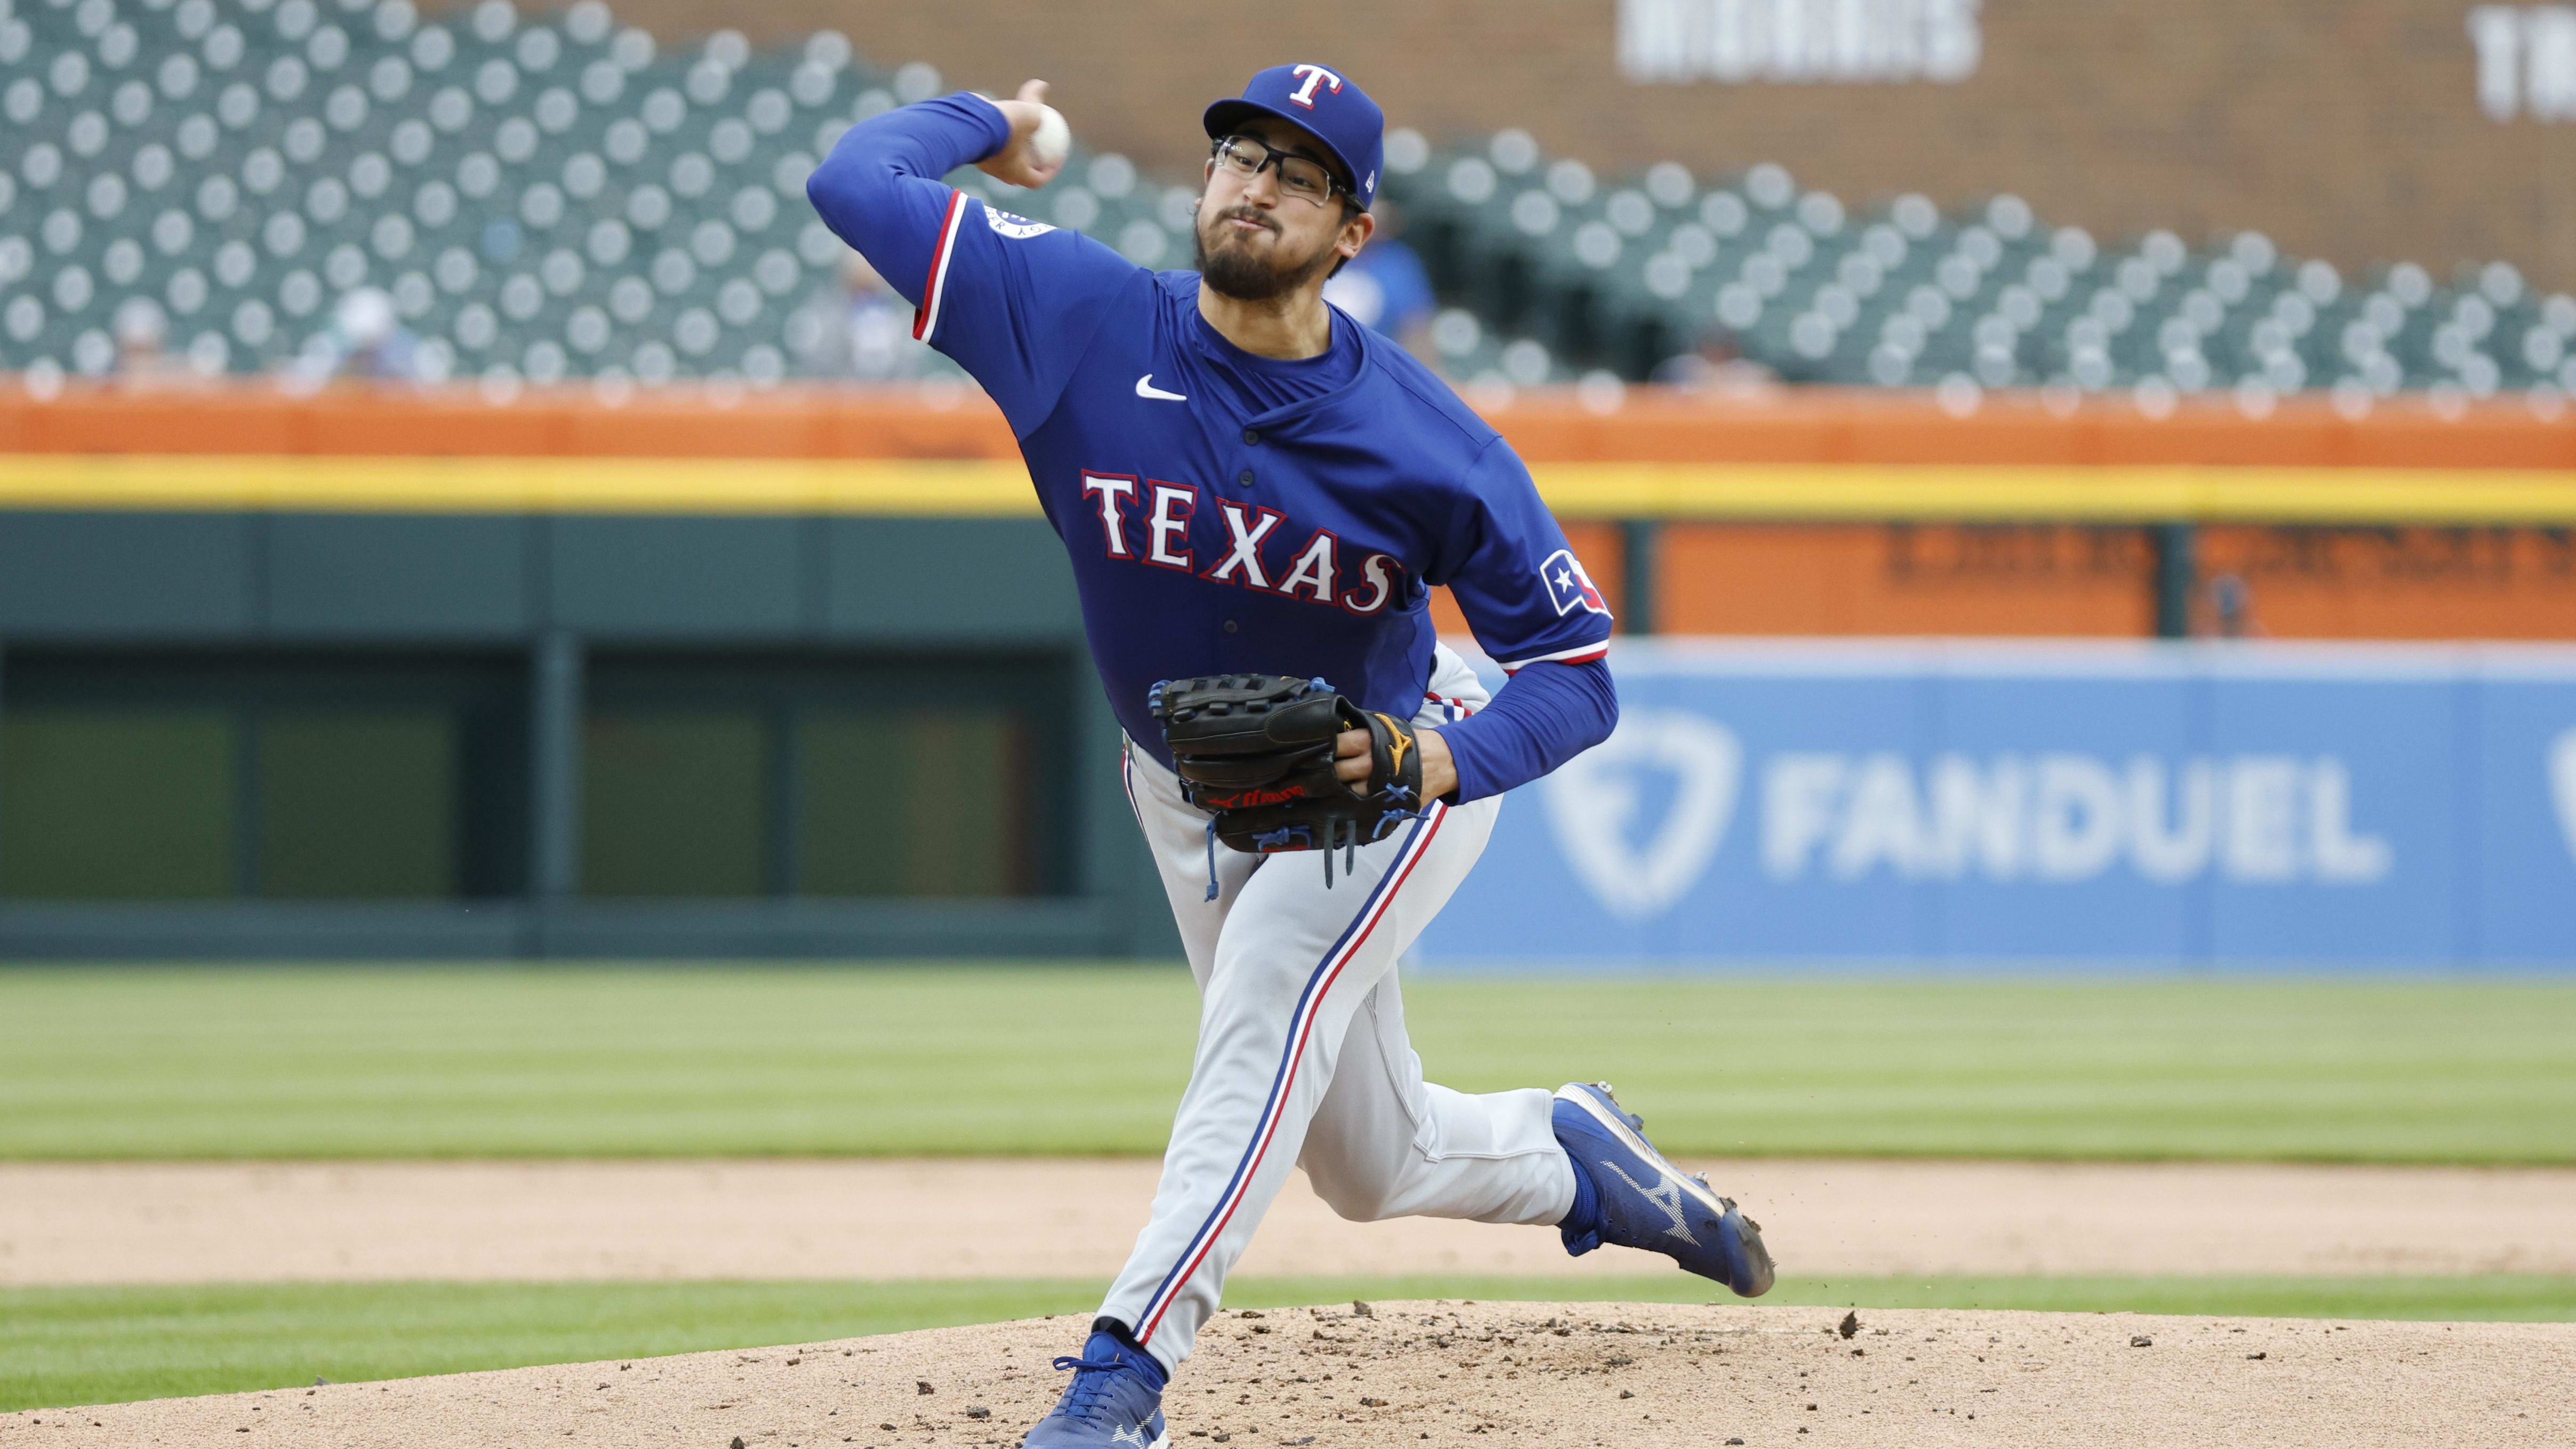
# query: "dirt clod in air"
(1850, 1324)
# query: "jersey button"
(1252, 436)
(1231, 626)
(1244, 477)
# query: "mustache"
(1246, 213)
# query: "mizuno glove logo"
(1397, 743)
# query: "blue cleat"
(1638, 1199)
(1114, 1402)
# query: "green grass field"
(758, 1060)
(374, 1062)
(62, 1346)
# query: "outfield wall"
(799, 672)
(2049, 804)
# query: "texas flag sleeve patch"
(1568, 586)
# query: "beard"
(1232, 269)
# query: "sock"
(1123, 1347)
(1581, 1226)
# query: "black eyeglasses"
(1302, 177)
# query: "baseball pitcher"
(1258, 495)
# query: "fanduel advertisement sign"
(2110, 804)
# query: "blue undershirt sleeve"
(1542, 717)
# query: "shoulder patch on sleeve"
(1568, 586)
(1012, 225)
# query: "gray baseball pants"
(1302, 1058)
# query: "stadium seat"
(1907, 296)
(551, 196)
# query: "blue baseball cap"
(1323, 101)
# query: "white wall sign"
(2526, 61)
(1798, 40)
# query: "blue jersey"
(1302, 539)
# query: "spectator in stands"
(1717, 366)
(366, 339)
(860, 330)
(2231, 608)
(1386, 288)
(143, 358)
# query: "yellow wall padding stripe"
(516, 485)
(2074, 494)
(990, 489)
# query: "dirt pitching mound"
(1513, 1373)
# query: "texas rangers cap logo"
(1304, 95)
(1568, 586)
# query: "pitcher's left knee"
(1358, 1195)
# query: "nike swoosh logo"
(1145, 388)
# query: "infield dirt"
(1055, 1218)
(1521, 1374)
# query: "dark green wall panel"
(162, 583)
(171, 576)
(333, 576)
(678, 578)
(150, 578)
(939, 580)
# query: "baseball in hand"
(1039, 140)
(1053, 139)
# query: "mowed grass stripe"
(62, 1346)
(403, 1062)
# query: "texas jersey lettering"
(1205, 540)
(1161, 514)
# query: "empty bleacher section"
(541, 198)
(1626, 274)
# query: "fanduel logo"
(2065, 817)
(1594, 800)
(1641, 817)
